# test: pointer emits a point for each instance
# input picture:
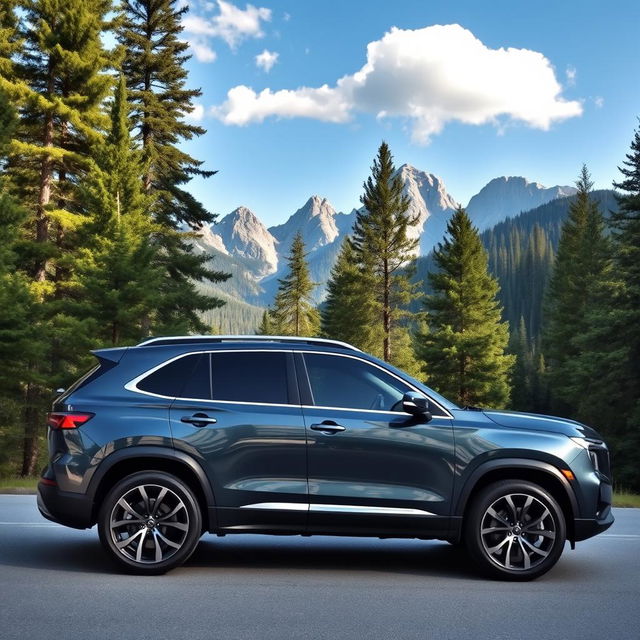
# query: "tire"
(159, 515)
(514, 530)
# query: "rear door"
(372, 467)
(241, 417)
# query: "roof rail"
(154, 342)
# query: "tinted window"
(337, 381)
(186, 377)
(250, 377)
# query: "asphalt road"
(57, 583)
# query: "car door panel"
(387, 472)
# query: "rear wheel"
(150, 522)
(515, 530)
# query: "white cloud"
(197, 113)
(266, 60)
(286, 17)
(231, 23)
(203, 52)
(599, 101)
(571, 73)
(431, 76)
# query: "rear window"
(250, 377)
(186, 377)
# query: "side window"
(186, 377)
(349, 383)
(252, 376)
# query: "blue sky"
(532, 89)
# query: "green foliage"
(154, 68)
(294, 313)
(464, 350)
(265, 327)
(350, 312)
(382, 250)
(118, 270)
(581, 268)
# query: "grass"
(28, 485)
(18, 485)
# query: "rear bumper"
(70, 509)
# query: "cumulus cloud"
(196, 113)
(230, 23)
(599, 101)
(430, 76)
(203, 52)
(266, 60)
(571, 75)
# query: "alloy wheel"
(518, 531)
(149, 523)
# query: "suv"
(281, 435)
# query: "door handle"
(328, 427)
(198, 419)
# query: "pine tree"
(294, 312)
(10, 43)
(154, 66)
(18, 341)
(581, 266)
(349, 312)
(609, 365)
(59, 82)
(521, 380)
(118, 272)
(464, 350)
(382, 246)
(266, 325)
(155, 69)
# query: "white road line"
(29, 524)
(619, 535)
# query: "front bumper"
(70, 509)
(584, 528)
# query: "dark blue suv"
(178, 436)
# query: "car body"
(284, 435)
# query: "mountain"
(315, 220)
(507, 197)
(429, 202)
(243, 235)
(240, 244)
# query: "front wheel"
(150, 522)
(515, 530)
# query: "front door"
(372, 468)
(247, 429)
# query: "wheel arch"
(541, 473)
(124, 462)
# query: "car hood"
(537, 422)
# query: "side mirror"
(417, 405)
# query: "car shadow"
(81, 551)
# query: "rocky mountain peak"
(507, 196)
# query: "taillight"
(68, 420)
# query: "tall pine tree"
(154, 66)
(294, 313)
(464, 350)
(350, 312)
(118, 273)
(582, 263)
(18, 338)
(383, 248)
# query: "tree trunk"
(386, 315)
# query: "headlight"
(591, 447)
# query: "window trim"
(307, 382)
(300, 377)
(132, 385)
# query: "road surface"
(56, 583)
